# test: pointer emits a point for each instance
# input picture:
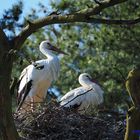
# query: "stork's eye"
(49, 46)
(48, 43)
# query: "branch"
(97, 2)
(99, 7)
(80, 16)
(120, 72)
(116, 22)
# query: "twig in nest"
(79, 131)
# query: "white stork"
(36, 78)
(88, 95)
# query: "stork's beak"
(58, 50)
(94, 81)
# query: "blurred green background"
(107, 52)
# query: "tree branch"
(116, 22)
(97, 2)
(85, 15)
(96, 9)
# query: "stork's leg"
(32, 104)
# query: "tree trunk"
(133, 115)
(7, 127)
(133, 124)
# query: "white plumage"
(36, 78)
(88, 95)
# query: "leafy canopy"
(107, 52)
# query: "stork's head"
(47, 45)
(85, 77)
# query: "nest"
(50, 122)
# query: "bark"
(7, 127)
(133, 115)
(133, 124)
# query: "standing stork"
(36, 78)
(88, 95)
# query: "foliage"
(11, 19)
(101, 50)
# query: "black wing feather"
(23, 94)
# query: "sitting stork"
(88, 95)
(36, 78)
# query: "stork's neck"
(47, 53)
(85, 83)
